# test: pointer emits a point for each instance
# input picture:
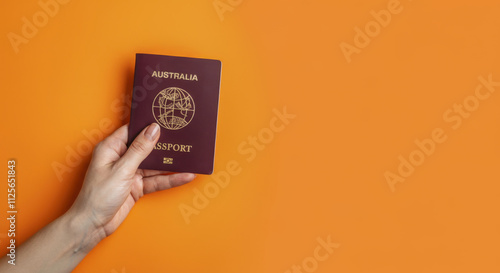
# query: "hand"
(114, 183)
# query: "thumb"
(140, 148)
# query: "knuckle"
(99, 146)
(137, 179)
(156, 185)
(121, 170)
(138, 147)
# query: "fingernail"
(152, 131)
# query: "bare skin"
(112, 186)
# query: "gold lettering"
(174, 147)
(173, 75)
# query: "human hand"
(112, 185)
(113, 182)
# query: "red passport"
(182, 95)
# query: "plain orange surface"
(322, 176)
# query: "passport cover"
(182, 95)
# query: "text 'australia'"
(175, 76)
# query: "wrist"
(86, 235)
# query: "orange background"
(323, 175)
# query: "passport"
(181, 95)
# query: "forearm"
(58, 247)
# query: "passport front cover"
(182, 95)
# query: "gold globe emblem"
(173, 108)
